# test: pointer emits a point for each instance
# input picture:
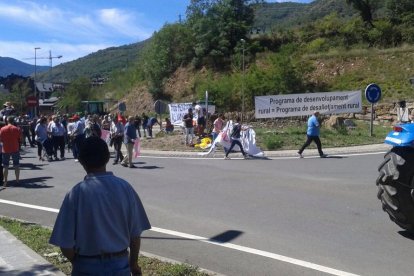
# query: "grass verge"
(293, 137)
(36, 237)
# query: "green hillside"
(274, 16)
(327, 45)
(96, 65)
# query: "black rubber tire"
(396, 185)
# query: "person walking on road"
(313, 135)
(117, 136)
(58, 138)
(235, 139)
(130, 134)
(77, 135)
(10, 137)
(100, 218)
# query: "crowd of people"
(54, 133)
(59, 134)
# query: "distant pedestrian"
(58, 138)
(137, 123)
(218, 126)
(106, 123)
(151, 122)
(130, 134)
(117, 137)
(201, 120)
(313, 135)
(77, 136)
(92, 127)
(169, 127)
(41, 137)
(100, 218)
(189, 127)
(235, 139)
(10, 138)
(2, 124)
(33, 124)
(144, 123)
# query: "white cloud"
(71, 33)
(30, 14)
(123, 22)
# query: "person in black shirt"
(189, 128)
(235, 139)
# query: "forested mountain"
(267, 16)
(327, 45)
(10, 66)
(270, 16)
(98, 64)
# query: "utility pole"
(34, 81)
(242, 88)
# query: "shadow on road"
(146, 167)
(31, 166)
(407, 234)
(334, 157)
(31, 183)
(37, 269)
(226, 236)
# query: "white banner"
(306, 104)
(177, 112)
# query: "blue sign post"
(373, 95)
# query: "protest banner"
(177, 112)
(278, 106)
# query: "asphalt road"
(288, 216)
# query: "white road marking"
(267, 157)
(245, 249)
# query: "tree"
(365, 9)
(218, 26)
(19, 92)
(398, 9)
(169, 48)
(78, 91)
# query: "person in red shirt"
(10, 138)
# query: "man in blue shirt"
(151, 122)
(100, 218)
(130, 135)
(313, 135)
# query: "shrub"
(273, 143)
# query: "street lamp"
(242, 88)
(35, 75)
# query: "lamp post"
(243, 69)
(35, 75)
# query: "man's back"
(10, 136)
(106, 212)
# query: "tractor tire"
(396, 185)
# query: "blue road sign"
(373, 93)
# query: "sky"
(75, 28)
